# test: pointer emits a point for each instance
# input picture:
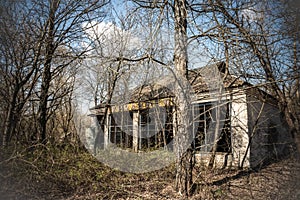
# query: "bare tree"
(244, 34)
(179, 14)
(62, 25)
(20, 51)
(184, 165)
(33, 35)
(257, 30)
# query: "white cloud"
(251, 14)
(111, 38)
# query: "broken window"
(205, 123)
(156, 128)
(120, 129)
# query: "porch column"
(174, 124)
(106, 130)
(135, 131)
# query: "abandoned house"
(251, 133)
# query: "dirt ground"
(279, 180)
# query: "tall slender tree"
(33, 34)
(184, 157)
(20, 51)
(62, 24)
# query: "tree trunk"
(10, 122)
(184, 158)
(46, 79)
(292, 123)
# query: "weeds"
(66, 172)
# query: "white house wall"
(239, 131)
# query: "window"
(156, 127)
(204, 125)
(120, 129)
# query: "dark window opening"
(205, 124)
(156, 128)
(120, 129)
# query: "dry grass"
(60, 173)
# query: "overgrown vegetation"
(50, 49)
(65, 171)
(68, 172)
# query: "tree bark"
(10, 122)
(184, 158)
(46, 78)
